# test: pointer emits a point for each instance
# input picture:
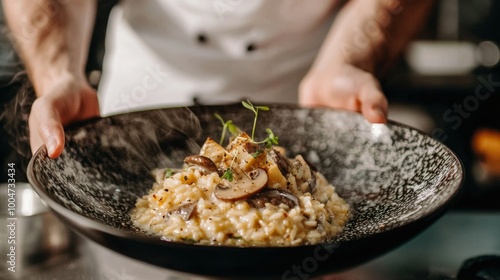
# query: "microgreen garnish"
(228, 175)
(255, 109)
(270, 140)
(227, 125)
(168, 173)
(257, 153)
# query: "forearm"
(52, 37)
(370, 34)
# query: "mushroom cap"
(275, 197)
(242, 187)
(202, 163)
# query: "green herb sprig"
(255, 109)
(227, 126)
(269, 142)
(257, 153)
(271, 139)
(168, 173)
(228, 175)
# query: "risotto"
(243, 195)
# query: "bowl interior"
(390, 174)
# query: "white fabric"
(154, 59)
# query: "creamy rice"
(184, 206)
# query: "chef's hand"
(65, 101)
(55, 55)
(366, 38)
(345, 87)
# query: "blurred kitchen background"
(446, 84)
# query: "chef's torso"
(168, 53)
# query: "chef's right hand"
(67, 100)
(344, 86)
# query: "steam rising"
(164, 132)
(170, 135)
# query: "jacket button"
(201, 38)
(251, 47)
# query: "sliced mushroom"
(185, 210)
(202, 163)
(307, 172)
(242, 186)
(251, 147)
(273, 196)
(280, 161)
(312, 182)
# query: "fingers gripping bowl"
(395, 179)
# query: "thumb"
(46, 128)
(374, 105)
(52, 135)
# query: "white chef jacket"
(162, 53)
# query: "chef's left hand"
(344, 86)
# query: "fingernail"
(381, 112)
(51, 144)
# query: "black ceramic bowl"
(396, 179)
